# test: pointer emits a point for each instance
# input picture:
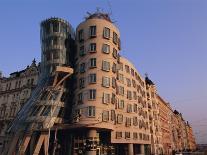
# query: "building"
(165, 113)
(14, 92)
(191, 144)
(110, 108)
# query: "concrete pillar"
(130, 149)
(91, 134)
(142, 151)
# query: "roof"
(98, 15)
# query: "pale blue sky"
(165, 38)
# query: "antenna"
(146, 74)
(109, 5)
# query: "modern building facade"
(111, 108)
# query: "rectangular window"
(134, 83)
(121, 78)
(82, 68)
(132, 72)
(82, 83)
(135, 121)
(92, 47)
(81, 35)
(113, 82)
(127, 68)
(92, 31)
(115, 38)
(82, 51)
(106, 82)
(55, 26)
(135, 135)
(128, 121)
(129, 95)
(135, 108)
(106, 33)
(92, 62)
(135, 95)
(80, 98)
(106, 48)
(121, 66)
(121, 104)
(91, 111)
(92, 78)
(105, 116)
(114, 68)
(92, 94)
(121, 90)
(113, 115)
(106, 98)
(113, 98)
(128, 82)
(119, 118)
(127, 135)
(118, 135)
(129, 108)
(105, 65)
(114, 53)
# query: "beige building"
(112, 109)
(14, 92)
(191, 144)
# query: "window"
(135, 135)
(121, 90)
(113, 82)
(135, 95)
(92, 62)
(134, 83)
(92, 47)
(114, 53)
(106, 98)
(82, 83)
(82, 68)
(132, 72)
(115, 38)
(121, 77)
(114, 68)
(81, 35)
(106, 33)
(82, 51)
(55, 41)
(92, 31)
(135, 121)
(80, 97)
(121, 104)
(119, 118)
(118, 135)
(129, 95)
(55, 27)
(106, 82)
(128, 121)
(105, 116)
(121, 66)
(105, 65)
(129, 108)
(56, 55)
(106, 48)
(128, 82)
(92, 78)
(135, 108)
(91, 111)
(127, 134)
(127, 68)
(113, 98)
(92, 94)
(113, 115)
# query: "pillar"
(142, 151)
(91, 134)
(130, 149)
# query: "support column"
(130, 149)
(142, 149)
(91, 135)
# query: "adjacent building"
(113, 109)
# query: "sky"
(167, 39)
